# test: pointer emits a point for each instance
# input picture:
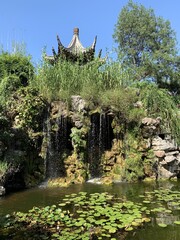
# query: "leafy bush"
(16, 64)
(77, 136)
(28, 107)
(134, 167)
(120, 100)
(8, 85)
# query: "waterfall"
(99, 140)
(57, 145)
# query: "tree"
(16, 65)
(147, 45)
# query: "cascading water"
(57, 144)
(99, 140)
(58, 130)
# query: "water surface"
(40, 197)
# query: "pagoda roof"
(74, 52)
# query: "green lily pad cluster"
(94, 216)
(79, 216)
(163, 201)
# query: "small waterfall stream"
(57, 144)
(99, 139)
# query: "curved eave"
(75, 45)
(74, 52)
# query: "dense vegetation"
(146, 72)
(143, 82)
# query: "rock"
(164, 173)
(77, 103)
(163, 162)
(150, 127)
(172, 153)
(151, 121)
(2, 191)
(95, 181)
(159, 154)
(138, 104)
(170, 159)
(77, 119)
(160, 144)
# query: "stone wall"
(167, 155)
(166, 151)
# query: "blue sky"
(37, 22)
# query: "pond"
(164, 224)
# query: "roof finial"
(76, 31)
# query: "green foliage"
(28, 107)
(134, 167)
(4, 122)
(147, 46)
(78, 141)
(15, 71)
(3, 167)
(100, 215)
(65, 79)
(159, 103)
(16, 64)
(119, 99)
(8, 85)
(122, 101)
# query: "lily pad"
(163, 225)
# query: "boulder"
(170, 159)
(164, 173)
(78, 104)
(159, 154)
(151, 121)
(160, 144)
(173, 153)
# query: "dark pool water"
(40, 196)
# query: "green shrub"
(159, 103)
(28, 107)
(134, 167)
(16, 64)
(8, 85)
(3, 168)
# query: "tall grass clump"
(159, 103)
(65, 79)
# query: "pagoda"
(75, 52)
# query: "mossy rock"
(59, 182)
(108, 180)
